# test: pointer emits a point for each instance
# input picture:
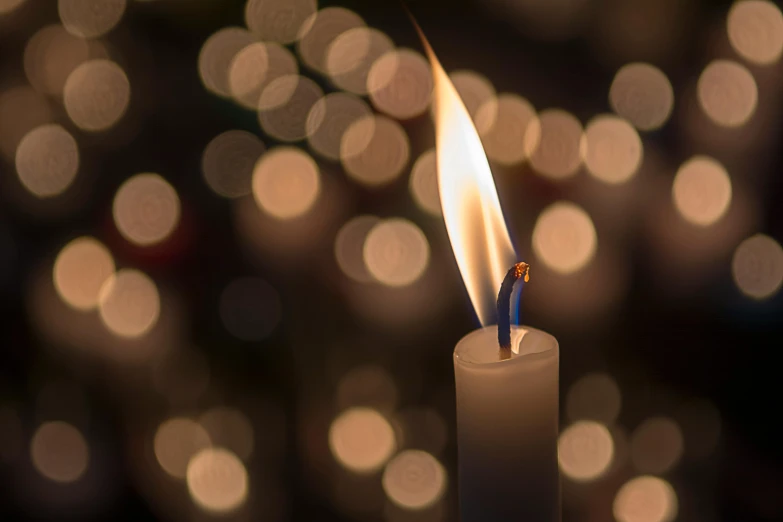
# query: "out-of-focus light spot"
(755, 31)
(656, 445)
(612, 149)
(47, 160)
(701, 426)
(217, 480)
(217, 55)
(59, 452)
(400, 84)
(285, 104)
(422, 429)
(321, 30)
(474, 89)
(585, 450)
(374, 150)
(280, 21)
(727, 93)
(286, 183)
(176, 441)
(96, 95)
(80, 270)
(504, 124)
(129, 303)
(424, 183)
(255, 67)
(229, 428)
(396, 252)
(642, 94)
(6, 6)
(229, 160)
(645, 499)
(328, 120)
(250, 309)
(564, 238)
(553, 143)
(349, 247)
(594, 397)
(90, 18)
(52, 54)
(702, 191)
(757, 267)
(146, 209)
(414, 480)
(361, 439)
(21, 110)
(369, 386)
(11, 434)
(351, 55)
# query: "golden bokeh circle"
(129, 303)
(361, 439)
(59, 452)
(255, 67)
(90, 18)
(396, 252)
(320, 31)
(423, 183)
(727, 93)
(286, 182)
(351, 55)
(564, 238)
(176, 441)
(702, 191)
(474, 90)
(285, 104)
(553, 143)
(414, 480)
(80, 270)
(47, 160)
(642, 94)
(755, 29)
(400, 84)
(585, 451)
(612, 149)
(757, 267)
(96, 95)
(596, 396)
(228, 162)
(330, 118)
(503, 123)
(645, 499)
(281, 21)
(146, 209)
(217, 480)
(217, 55)
(349, 247)
(374, 150)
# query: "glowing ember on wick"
(504, 306)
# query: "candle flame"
(471, 209)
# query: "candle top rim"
(479, 348)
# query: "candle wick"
(514, 274)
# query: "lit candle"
(506, 377)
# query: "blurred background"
(227, 290)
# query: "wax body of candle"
(507, 427)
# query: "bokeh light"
(286, 182)
(250, 308)
(6, 6)
(368, 386)
(361, 439)
(320, 31)
(757, 267)
(96, 95)
(217, 480)
(645, 499)
(21, 110)
(349, 247)
(328, 120)
(396, 252)
(422, 429)
(424, 183)
(553, 144)
(642, 94)
(176, 441)
(90, 18)
(256, 66)
(146, 209)
(80, 270)
(585, 450)
(612, 149)
(47, 160)
(229, 160)
(217, 54)
(351, 55)
(400, 84)
(727, 93)
(473, 88)
(596, 397)
(414, 480)
(656, 445)
(229, 428)
(755, 29)
(285, 104)
(129, 303)
(564, 238)
(374, 150)
(503, 123)
(59, 452)
(702, 191)
(280, 21)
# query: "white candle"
(507, 425)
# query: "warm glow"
(645, 499)
(471, 208)
(349, 247)
(59, 452)
(612, 149)
(361, 439)
(286, 182)
(351, 55)
(757, 267)
(96, 95)
(175, 443)
(424, 183)
(595, 396)
(374, 150)
(81, 269)
(400, 84)
(47, 160)
(228, 162)
(229, 428)
(414, 480)
(250, 308)
(585, 450)
(553, 143)
(285, 104)
(702, 191)
(656, 445)
(396, 252)
(278, 20)
(146, 209)
(330, 118)
(90, 18)
(474, 89)
(6, 6)
(503, 124)
(564, 238)
(755, 29)
(129, 303)
(642, 94)
(217, 480)
(217, 55)
(322, 29)
(727, 93)
(21, 110)
(255, 67)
